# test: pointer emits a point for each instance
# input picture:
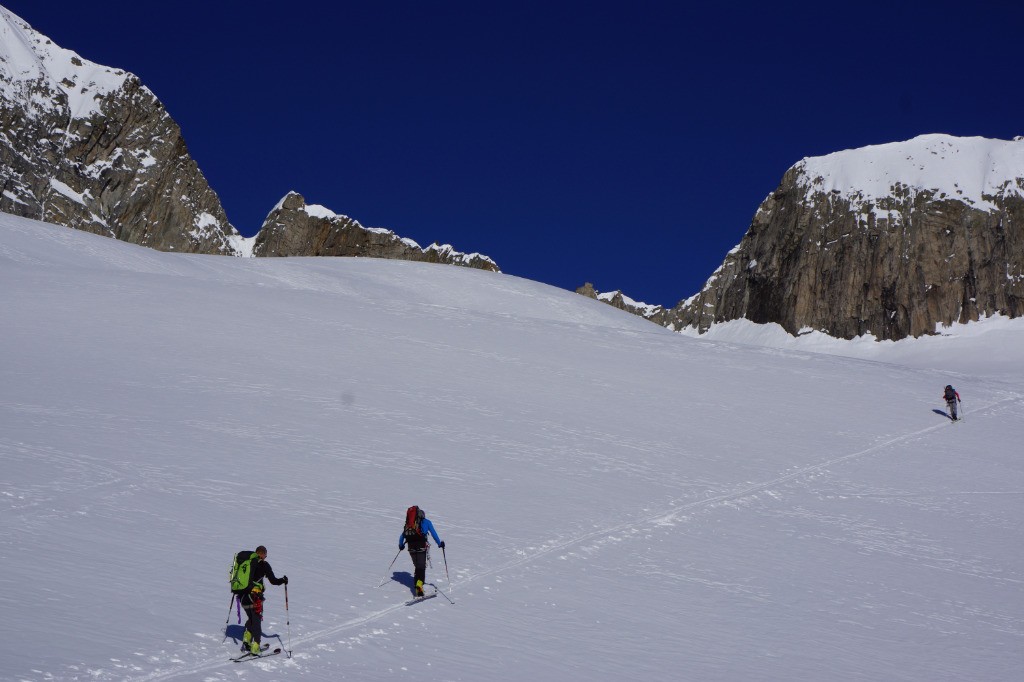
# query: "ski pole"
(389, 568)
(443, 554)
(441, 592)
(288, 620)
(226, 620)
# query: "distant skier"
(250, 594)
(952, 398)
(417, 525)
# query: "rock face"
(616, 299)
(91, 148)
(294, 228)
(889, 240)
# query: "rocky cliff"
(294, 228)
(890, 240)
(616, 299)
(90, 147)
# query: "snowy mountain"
(888, 241)
(90, 147)
(619, 502)
(295, 228)
(617, 299)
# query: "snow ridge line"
(658, 519)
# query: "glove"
(441, 544)
(284, 579)
(400, 546)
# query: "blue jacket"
(425, 527)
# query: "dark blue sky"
(623, 143)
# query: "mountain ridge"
(92, 148)
(888, 240)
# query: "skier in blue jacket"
(419, 547)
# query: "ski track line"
(659, 518)
(212, 665)
(662, 517)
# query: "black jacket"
(260, 570)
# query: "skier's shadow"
(404, 578)
(942, 412)
(237, 632)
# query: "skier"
(415, 533)
(952, 398)
(251, 598)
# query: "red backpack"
(413, 516)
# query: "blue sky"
(626, 144)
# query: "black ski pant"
(419, 562)
(254, 610)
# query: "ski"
(245, 648)
(417, 600)
(251, 656)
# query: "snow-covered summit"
(968, 169)
(886, 241)
(28, 58)
(62, 165)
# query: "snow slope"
(988, 348)
(619, 502)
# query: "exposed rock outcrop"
(655, 313)
(889, 240)
(294, 228)
(91, 148)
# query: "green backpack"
(240, 571)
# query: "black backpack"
(950, 393)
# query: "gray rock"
(617, 299)
(934, 236)
(91, 148)
(294, 228)
(850, 263)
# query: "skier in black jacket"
(252, 599)
(952, 398)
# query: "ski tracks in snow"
(666, 518)
(607, 534)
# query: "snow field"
(619, 502)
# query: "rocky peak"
(890, 240)
(90, 147)
(295, 228)
(617, 299)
